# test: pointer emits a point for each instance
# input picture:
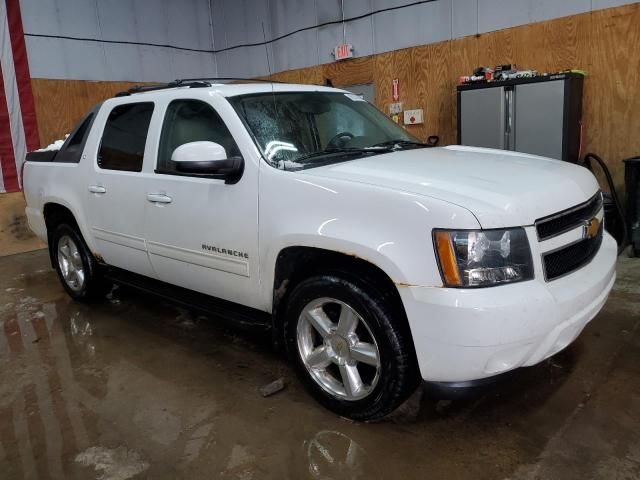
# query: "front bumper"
(469, 334)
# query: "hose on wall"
(586, 162)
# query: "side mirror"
(207, 159)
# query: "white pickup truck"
(376, 260)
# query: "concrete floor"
(134, 388)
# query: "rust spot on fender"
(404, 285)
(98, 257)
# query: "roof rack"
(187, 82)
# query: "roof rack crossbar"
(187, 82)
(243, 79)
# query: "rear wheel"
(77, 269)
(349, 347)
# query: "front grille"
(572, 257)
(566, 220)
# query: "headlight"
(483, 258)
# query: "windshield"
(297, 130)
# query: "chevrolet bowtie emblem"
(590, 228)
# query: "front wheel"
(349, 347)
(77, 268)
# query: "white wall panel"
(77, 18)
(39, 17)
(46, 58)
(220, 25)
(185, 28)
(289, 15)
(86, 60)
(329, 10)
(150, 20)
(244, 62)
(547, 9)
(360, 35)
(192, 65)
(156, 65)
(381, 4)
(498, 14)
(411, 26)
(117, 21)
(296, 51)
(436, 21)
(124, 62)
(244, 20)
(328, 37)
(464, 19)
(598, 4)
(355, 8)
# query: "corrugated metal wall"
(220, 24)
(183, 23)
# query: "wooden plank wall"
(606, 43)
(60, 104)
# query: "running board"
(234, 313)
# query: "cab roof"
(223, 89)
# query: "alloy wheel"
(70, 263)
(338, 349)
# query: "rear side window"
(191, 121)
(124, 137)
(72, 150)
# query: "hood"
(501, 188)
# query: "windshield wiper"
(344, 151)
(401, 143)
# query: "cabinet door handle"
(159, 198)
(97, 189)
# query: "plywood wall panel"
(554, 45)
(61, 103)
(612, 99)
(433, 90)
(463, 58)
(350, 72)
(497, 48)
(312, 76)
(383, 74)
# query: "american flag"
(18, 126)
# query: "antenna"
(273, 93)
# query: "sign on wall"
(395, 89)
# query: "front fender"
(389, 228)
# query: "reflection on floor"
(135, 388)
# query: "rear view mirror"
(207, 159)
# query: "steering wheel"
(334, 140)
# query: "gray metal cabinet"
(534, 115)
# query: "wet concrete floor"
(135, 388)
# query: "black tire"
(94, 287)
(398, 372)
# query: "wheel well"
(54, 215)
(295, 264)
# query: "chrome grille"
(561, 222)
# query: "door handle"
(97, 189)
(159, 198)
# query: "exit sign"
(343, 51)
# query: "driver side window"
(191, 121)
